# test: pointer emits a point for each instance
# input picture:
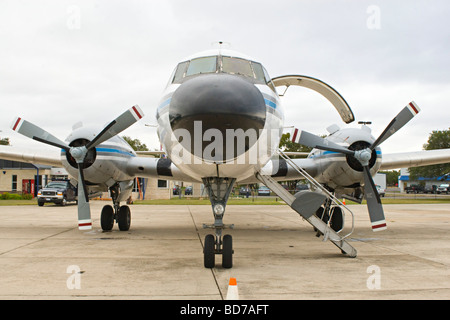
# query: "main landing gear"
(120, 214)
(329, 211)
(219, 190)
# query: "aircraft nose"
(220, 102)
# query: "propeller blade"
(34, 132)
(116, 126)
(313, 141)
(404, 116)
(376, 212)
(84, 210)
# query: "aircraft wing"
(158, 168)
(150, 153)
(280, 170)
(415, 159)
(52, 159)
(389, 162)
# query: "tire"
(209, 256)
(227, 251)
(337, 219)
(107, 218)
(124, 218)
(41, 203)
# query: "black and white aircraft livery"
(220, 121)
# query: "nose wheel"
(213, 246)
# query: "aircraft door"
(321, 87)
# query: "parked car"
(301, 186)
(443, 188)
(263, 191)
(381, 191)
(176, 190)
(188, 191)
(430, 189)
(414, 188)
(58, 192)
(244, 191)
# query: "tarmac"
(277, 255)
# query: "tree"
(391, 177)
(287, 145)
(4, 142)
(437, 140)
(136, 144)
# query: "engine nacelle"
(338, 170)
(105, 164)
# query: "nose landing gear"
(219, 190)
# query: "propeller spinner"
(116, 126)
(363, 156)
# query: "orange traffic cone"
(343, 201)
(232, 293)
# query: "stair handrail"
(316, 184)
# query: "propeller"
(374, 206)
(116, 126)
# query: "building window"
(162, 183)
(14, 183)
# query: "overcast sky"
(62, 62)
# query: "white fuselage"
(202, 149)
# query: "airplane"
(220, 120)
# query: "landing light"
(219, 209)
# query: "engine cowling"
(345, 171)
(104, 164)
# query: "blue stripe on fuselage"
(110, 150)
(164, 103)
(270, 103)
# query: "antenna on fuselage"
(221, 44)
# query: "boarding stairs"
(306, 203)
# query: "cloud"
(69, 61)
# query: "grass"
(409, 201)
(18, 202)
(205, 201)
(241, 201)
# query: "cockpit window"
(258, 70)
(237, 66)
(230, 65)
(269, 80)
(202, 65)
(181, 70)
